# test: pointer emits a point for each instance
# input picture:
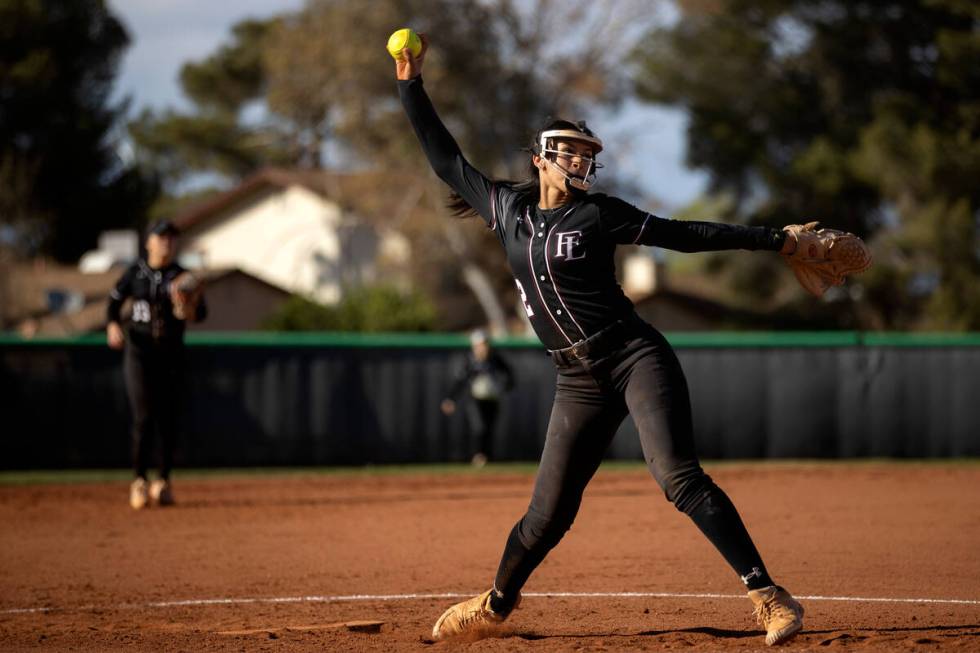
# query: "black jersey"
(484, 380)
(152, 319)
(562, 258)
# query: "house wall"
(237, 302)
(286, 237)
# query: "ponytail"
(527, 188)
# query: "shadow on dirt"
(721, 633)
(704, 630)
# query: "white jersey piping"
(534, 277)
(552, 276)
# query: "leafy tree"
(61, 182)
(215, 137)
(496, 69)
(325, 83)
(370, 308)
(865, 115)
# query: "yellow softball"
(404, 38)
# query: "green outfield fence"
(699, 339)
(351, 399)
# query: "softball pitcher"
(560, 241)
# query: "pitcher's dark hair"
(527, 187)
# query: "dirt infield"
(352, 562)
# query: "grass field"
(67, 476)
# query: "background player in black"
(560, 243)
(484, 378)
(153, 358)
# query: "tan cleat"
(472, 618)
(138, 494)
(778, 612)
(161, 493)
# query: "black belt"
(599, 344)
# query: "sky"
(648, 141)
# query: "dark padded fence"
(346, 399)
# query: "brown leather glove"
(824, 257)
(185, 292)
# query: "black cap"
(162, 227)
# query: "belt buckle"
(579, 350)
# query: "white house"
(297, 230)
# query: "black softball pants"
(153, 376)
(642, 378)
(482, 417)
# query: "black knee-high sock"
(718, 519)
(516, 565)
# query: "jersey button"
(558, 311)
(542, 225)
(542, 277)
(540, 234)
